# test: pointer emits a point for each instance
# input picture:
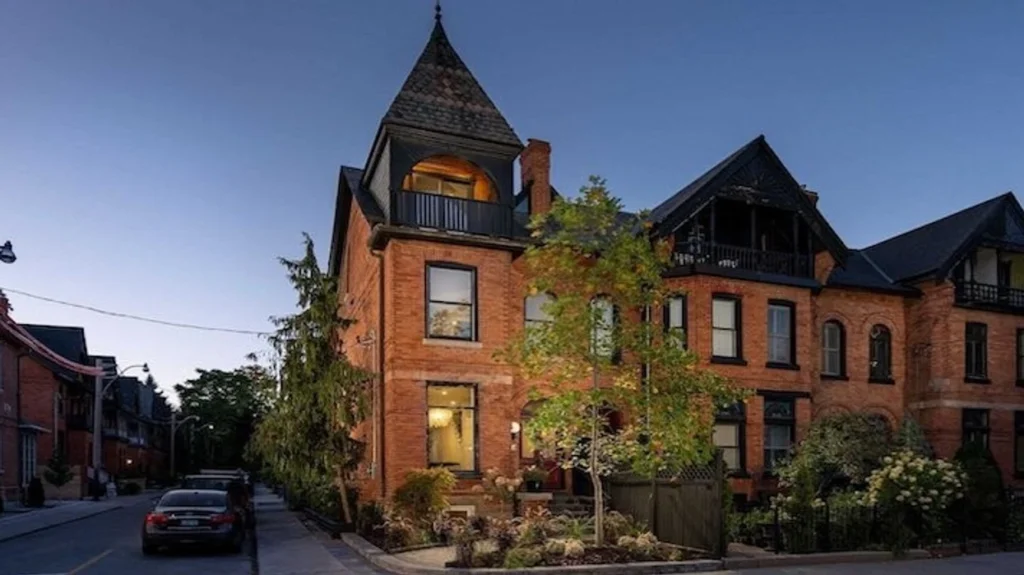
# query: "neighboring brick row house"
(427, 243)
(47, 380)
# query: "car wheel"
(148, 548)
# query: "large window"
(975, 426)
(1020, 357)
(451, 302)
(728, 436)
(450, 176)
(675, 318)
(976, 352)
(880, 354)
(603, 337)
(451, 424)
(726, 323)
(781, 333)
(1018, 443)
(833, 349)
(535, 312)
(779, 430)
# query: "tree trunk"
(346, 511)
(595, 476)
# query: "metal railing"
(448, 213)
(737, 257)
(982, 293)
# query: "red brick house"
(427, 240)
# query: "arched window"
(833, 349)
(880, 354)
(450, 176)
(535, 309)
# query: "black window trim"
(738, 314)
(476, 426)
(890, 380)
(1018, 434)
(666, 318)
(739, 418)
(964, 428)
(1020, 356)
(791, 422)
(974, 377)
(474, 307)
(842, 375)
(792, 364)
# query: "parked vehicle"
(240, 496)
(193, 517)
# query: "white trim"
(960, 404)
(470, 510)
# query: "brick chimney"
(535, 165)
(5, 305)
(811, 195)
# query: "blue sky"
(156, 157)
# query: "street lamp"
(175, 424)
(7, 253)
(97, 408)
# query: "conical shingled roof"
(442, 95)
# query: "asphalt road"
(109, 544)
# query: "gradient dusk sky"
(156, 157)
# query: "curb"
(845, 557)
(51, 526)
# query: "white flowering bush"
(915, 482)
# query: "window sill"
(778, 365)
(728, 360)
(886, 381)
(463, 343)
(827, 377)
(977, 380)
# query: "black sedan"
(193, 517)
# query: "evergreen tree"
(58, 473)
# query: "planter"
(534, 486)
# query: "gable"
(754, 174)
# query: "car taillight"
(222, 518)
(156, 519)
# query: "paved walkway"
(286, 547)
(18, 524)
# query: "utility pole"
(175, 424)
(97, 412)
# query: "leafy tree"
(983, 510)
(840, 448)
(58, 473)
(911, 436)
(227, 404)
(305, 440)
(607, 273)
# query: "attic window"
(450, 176)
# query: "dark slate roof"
(928, 248)
(367, 203)
(441, 94)
(662, 210)
(66, 341)
(861, 272)
(128, 393)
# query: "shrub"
(35, 497)
(554, 547)
(499, 488)
(423, 495)
(522, 557)
(571, 527)
(399, 532)
(986, 513)
(574, 548)
(617, 525)
(504, 533)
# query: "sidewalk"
(286, 547)
(22, 523)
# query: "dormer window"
(452, 177)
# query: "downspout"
(379, 391)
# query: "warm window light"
(439, 417)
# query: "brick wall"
(39, 388)
(8, 422)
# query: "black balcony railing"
(451, 214)
(724, 256)
(968, 292)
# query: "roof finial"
(437, 11)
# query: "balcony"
(451, 214)
(998, 297)
(735, 257)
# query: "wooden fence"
(683, 508)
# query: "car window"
(193, 499)
(215, 483)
